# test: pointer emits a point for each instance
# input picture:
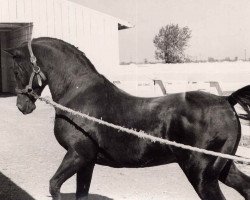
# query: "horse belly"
(144, 154)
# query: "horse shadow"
(71, 196)
(10, 191)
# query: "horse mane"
(63, 46)
(73, 49)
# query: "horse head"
(29, 84)
(65, 67)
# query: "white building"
(93, 32)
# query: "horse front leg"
(71, 163)
(80, 157)
(84, 176)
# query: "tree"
(211, 59)
(171, 42)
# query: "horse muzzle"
(25, 104)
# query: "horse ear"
(13, 52)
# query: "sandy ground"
(30, 155)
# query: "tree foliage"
(171, 42)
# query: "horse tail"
(242, 97)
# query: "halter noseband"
(35, 73)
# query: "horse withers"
(193, 118)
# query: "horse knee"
(77, 160)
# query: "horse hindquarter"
(207, 122)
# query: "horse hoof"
(82, 198)
(57, 198)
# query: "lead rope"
(139, 134)
(142, 134)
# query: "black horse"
(194, 118)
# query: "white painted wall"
(95, 33)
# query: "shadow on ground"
(10, 191)
(71, 196)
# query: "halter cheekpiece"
(35, 73)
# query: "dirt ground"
(30, 155)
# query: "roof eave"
(124, 25)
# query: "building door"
(0, 67)
(11, 35)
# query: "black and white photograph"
(124, 100)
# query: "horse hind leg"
(233, 177)
(202, 177)
(203, 171)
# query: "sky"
(220, 28)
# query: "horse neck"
(66, 73)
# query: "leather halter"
(35, 73)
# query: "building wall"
(20, 35)
(93, 32)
